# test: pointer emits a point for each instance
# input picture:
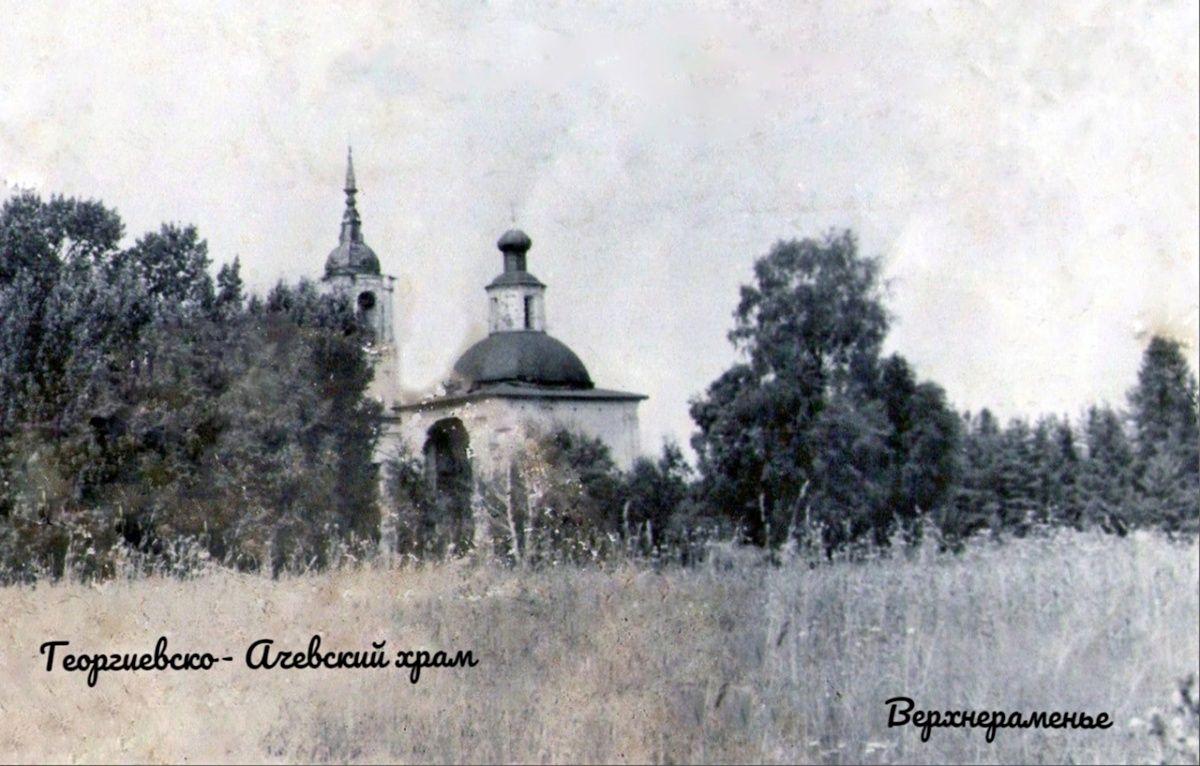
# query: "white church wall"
(498, 427)
(612, 422)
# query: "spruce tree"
(1163, 409)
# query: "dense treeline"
(151, 413)
(148, 410)
(815, 436)
(816, 439)
(1107, 471)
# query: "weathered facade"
(509, 387)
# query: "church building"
(517, 383)
(352, 270)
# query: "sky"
(1026, 171)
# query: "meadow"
(733, 660)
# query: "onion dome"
(515, 243)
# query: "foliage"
(410, 522)
(1163, 411)
(143, 407)
(146, 406)
(559, 500)
(813, 431)
(655, 495)
(1109, 476)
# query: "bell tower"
(352, 270)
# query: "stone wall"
(497, 426)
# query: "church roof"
(352, 255)
(515, 278)
(520, 391)
(522, 357)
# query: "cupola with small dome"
(518, 349)
(511, 385)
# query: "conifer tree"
(1163, 409)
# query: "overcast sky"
(1026, 170)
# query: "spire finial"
(350, 186)
(351, 223)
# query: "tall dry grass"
(734, 661)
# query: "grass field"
(729, 662)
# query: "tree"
(1057, 472)
(654, 494)
(1106, 475)
(172, 263)
(1163, 403)
(230, 293)
(71, 332)
(38, 238)
(1163, 409)
(407, 528)
(55, 313)
(582, 489)
(1016, 477)
(810, 429)
(138, 405)
(558, 499)
(922, 447)
(976, 503)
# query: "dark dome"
(352, 258)
(514, 239)
(525, 357)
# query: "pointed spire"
(350, 187)
(351, 222)
(352, 255)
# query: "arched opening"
(367, 310)
(448, 472)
